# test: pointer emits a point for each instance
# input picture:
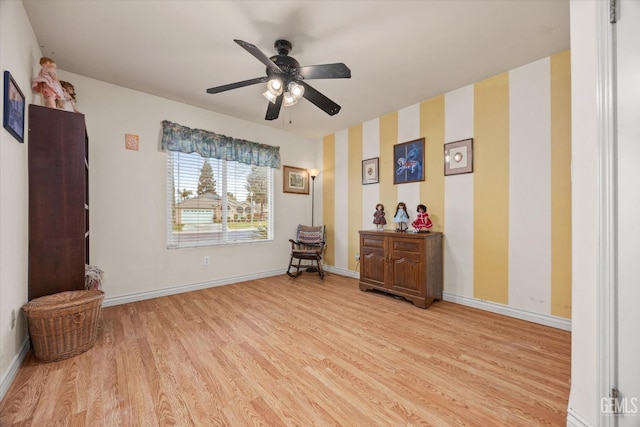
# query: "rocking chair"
(308, 245)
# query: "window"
(209, 178)
(213, 201)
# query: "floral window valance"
(180, 138)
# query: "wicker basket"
(65, 324)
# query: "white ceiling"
(399, 52)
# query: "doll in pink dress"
(378, 217)
(422, 222)
(46, 83)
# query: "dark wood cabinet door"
(372, 260)
(406, 267)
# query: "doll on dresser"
(401, 217)
(422, 222)
(378, 217)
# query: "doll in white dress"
(401, 217)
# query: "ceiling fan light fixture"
(289, 100)
(270, 96)
(295, 90)
(275, 86)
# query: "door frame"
(607, 209)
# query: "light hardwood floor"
(299, 352)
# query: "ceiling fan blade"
(236, 85)
(319, 100)
(253, 50)
(325, 71)
(273, 110)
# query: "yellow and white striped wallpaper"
(507, 225)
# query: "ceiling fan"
(286, 79)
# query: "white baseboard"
(342, 271)
(156, 293)
(542, 319)
(14, 367)
(575, 420)
(548, 320)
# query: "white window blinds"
(213, 201)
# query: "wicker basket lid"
(62, 300)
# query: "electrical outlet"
(13, 318)
(206, 260)
(357, 256)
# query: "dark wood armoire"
(58, 201)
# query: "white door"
(627, 31)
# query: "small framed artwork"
(131, 142)
(408, 161)
(458, 157)
(296, 180)
(370, 171)
(13, 120)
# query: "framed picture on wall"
(13, 118)
(408, 161)
(458, 157)
(296, 180)
(370, 171)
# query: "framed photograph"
(408, 161)
(370, 171)
(13, 120)
(458, 157)
(296, 180)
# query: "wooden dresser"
(404, 264)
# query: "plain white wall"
(18, 52)
(127, 193)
